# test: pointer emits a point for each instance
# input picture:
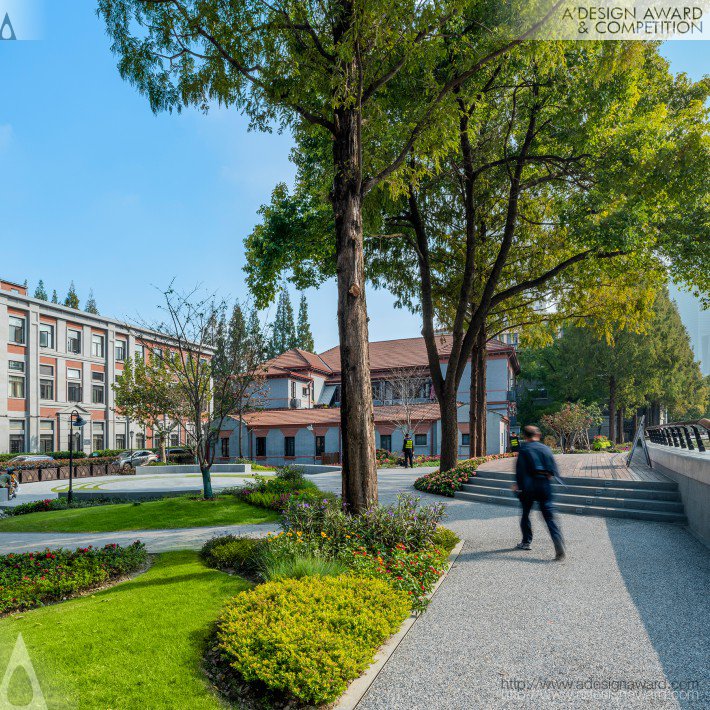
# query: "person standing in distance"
(535, 468)
(408, 449)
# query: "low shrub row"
(83, 462)
(446, 483)
(36, 578)
(309, 637)
(393, 459)
(53, 454)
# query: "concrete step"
(595, 510)
(667, 485)
(620, 491)
(606, 498)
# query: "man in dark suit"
(534, 470)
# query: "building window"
(158, 352)
(120, 441)
(305, 391)
(293, 390)
(46, 335)
(46, 437)
(97, 346)
(73, 391)
(46, 382)
(175, 439)
(97, 394)
(98, 376)
(465, 439)
(225, 447)
(74, 341)
(17, 330)
(261, 446)
(289, 446)
(386, 442)
(120, 350)
(140, 440)
(139, 351)
(320, 445)
(17, 436)
(97, 441)
(16, 379)
(420, 440)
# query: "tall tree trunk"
(620, 425)
(473, 406)
(482, 400)
(449, 433)
(356, 408)
(206, 482)
(612, 408)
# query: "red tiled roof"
(304, 417)
(295, 360)
(409, 352)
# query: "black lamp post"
(75, 420)
(131, 433)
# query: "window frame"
(260, 446)
(96, 389)
(98, 345)
(16, 376)
(386, 438)
(74, 385)
(46, 328)
(224, 443)
(70, 349)
(121, 346)
(12, 334)
(418, 439)
(289, 444)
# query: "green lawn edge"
(169, 513)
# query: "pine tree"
(91, 306)
(256, 334)
(221, 346)
(55, 298)
(304, 337)
(72, 300)
(237, 334)
(283, 329)
(40, 291)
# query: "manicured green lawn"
(137, 645)
(153, 515)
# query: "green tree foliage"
(146, 392)
(304, 337)
(41, 292)
(625, 370)
(283, 329)
(256, 334)
(55, 297)
(91, 306)
(72, 300)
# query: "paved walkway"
(608, 466)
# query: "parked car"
(30, 459)
(142, 457)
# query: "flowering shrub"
(412, 572)
(446, 483)
(32, 579)
(600, 443)
(307, 638)
(405, 522)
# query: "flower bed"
(446, 483)
(33, 579)
(308, 638)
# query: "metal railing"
(684, 435)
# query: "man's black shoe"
(559, 553)
(522, 546)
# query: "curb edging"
(356, 690)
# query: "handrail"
(680, 434)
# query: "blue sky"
(96, 189)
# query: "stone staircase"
(642, 500)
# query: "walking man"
(408, 449)
(534, 470)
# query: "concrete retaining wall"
(149, 494)
(317, 468)
(194, 468)
(691, 471)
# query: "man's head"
(531, 433)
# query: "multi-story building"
(55, 360)
(301, 421)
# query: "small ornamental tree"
(146, 392)
(407, 387)
(571, 424)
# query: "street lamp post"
(131, 433)
(75, 420)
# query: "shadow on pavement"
(667, 575)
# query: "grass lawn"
(180, 512)
(136, 645)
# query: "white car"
(30, 459)
(142, 457)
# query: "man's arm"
(520, 471)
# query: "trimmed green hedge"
(53, 454)
(307, 638)
(231, 552)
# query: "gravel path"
(630, 604)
